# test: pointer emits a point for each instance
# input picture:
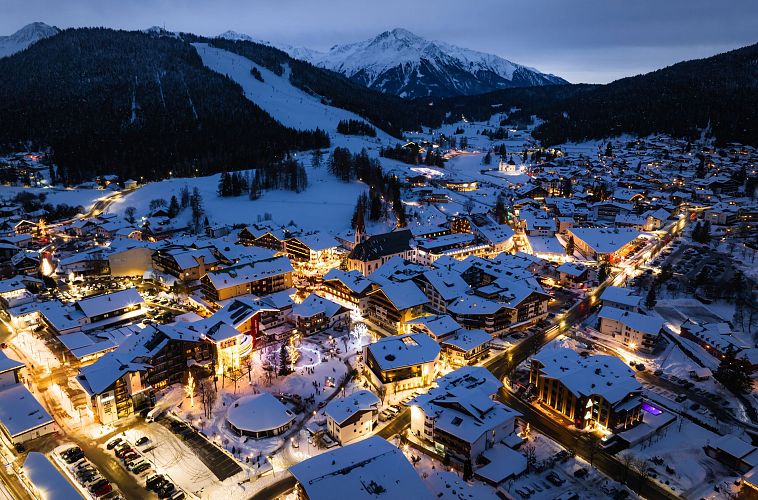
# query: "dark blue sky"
(580, 40)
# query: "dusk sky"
(582, 41)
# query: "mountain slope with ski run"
(23, 38)
(402, 63)
(286, 103)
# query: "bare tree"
(208, 396)
(235, 375)
(641, 468)
(530, 452)
(626, 459)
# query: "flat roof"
(48, 479)
(20, 412)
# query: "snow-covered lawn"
(73, 197)
(327, 204)
(681, 448)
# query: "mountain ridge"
(402, 63)
(25, 37)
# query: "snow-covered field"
(327, 204)
(74, 197)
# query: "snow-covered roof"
(48, 479)
(620, 295)
(572, 268)
(398, 351)
(437, 325)
(258, 413)
(503, 463)
(448, 284)
(404, 295)
(340, 409)
(461, 404)
(313, 305)
(20, 412)
(466, 340)
(353, 280)
(8, 364)
(101, 304)
(643, 323)
(734, 446)
(602, 375)
(246, 272)
(605, 240)
(369, 469)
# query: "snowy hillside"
(277, 96)
(325, 205)
(402, 63)
(23, 38)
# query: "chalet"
(604, 244)
(252, 277)
(347, 287)
(22, 417)
(123, 382)
(459, 416)
(465, 347)
(620, 298)
(315, 314)
(633, 330)
(369, 468)
(352, 417)
(393, 304)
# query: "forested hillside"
(134, 104)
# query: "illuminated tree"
(189, 390)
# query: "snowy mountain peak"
(402, 63)
(234, 35)
(26, 36)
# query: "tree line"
(355, 127)
(384, 194)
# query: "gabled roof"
(341, 409)
(382, 245)
(403, 295)
(101, 304)
(370, 469)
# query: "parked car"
(581, 472)
(142, 440)
(113, 443)
(553, 479)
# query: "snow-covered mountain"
(26, 36)
(402, 63)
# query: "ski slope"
(279, 98)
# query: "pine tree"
(609, 150)
(196, 204)
(284, 360)
(570, 246)
(650, 300)
(487, 160)
(254, 191)
(734, 372)
(697, 232)
(173, 207)
(316, 158)
(501, 213)
(603, 272)
(705, 236)
(184, 197)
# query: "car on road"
(658, 372)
